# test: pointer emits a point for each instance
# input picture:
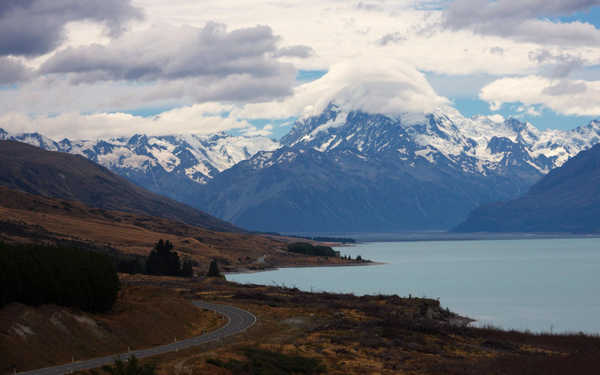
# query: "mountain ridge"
(468, 161)
(74, 177)
(387, 174)
(565, 200)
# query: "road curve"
(238, 321)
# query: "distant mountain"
(174, 166)
(352, 171)
(566, 200)
(343, 170)
(60, 175)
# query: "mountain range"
(343, 170)
(565, 200)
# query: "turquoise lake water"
(538, 285)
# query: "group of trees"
(37, 274)
(309, 249)
(164, 261)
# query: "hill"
(72, 177)
(28, 218)
(566, 200)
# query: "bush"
(132, 367)
(36, 275)
(308, 249)
(264, 362)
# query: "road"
(238, 321)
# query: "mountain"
(174, 166)
(61, 175)
(566, 200)
(344, 171)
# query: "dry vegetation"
(346, 334)
(33, 218)
(142, 317)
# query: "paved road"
(238, 321)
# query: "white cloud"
(568, 97)
(384, 86)
(197, 119)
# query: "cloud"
(197, 119)
(177, 52)
(302, 52)
(35, 27)
(387, 86)
(521, 20)
(560, 64)
(567, 97)
(12, 71)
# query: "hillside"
(566, 200)
(27, 218)
(73, 177)
(174, 166)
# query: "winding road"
(238, 321)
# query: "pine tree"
(213, 269)
(163, 260)
(187, 269)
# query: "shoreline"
(274, 268)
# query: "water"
(538, 285)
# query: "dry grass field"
(32, 218)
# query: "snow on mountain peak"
(199, 157)
(476, 145)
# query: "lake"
(534, 284)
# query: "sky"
(88, 69)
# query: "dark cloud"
(565, 87)
(522, 20)
(295, 51)
(392, 38)
(557, 65)
(12, 71)
(176, 53)
(35, 27)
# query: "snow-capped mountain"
(353, 171)
(171, 165)
(475, 145)
(343, 170)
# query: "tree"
(187, 269)
(213, 269)
(163, 260)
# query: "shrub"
(264, 362)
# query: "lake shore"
(325, 265)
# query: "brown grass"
(143, 317)
(31, 218)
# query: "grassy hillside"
(28, 218)
(60, 175)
